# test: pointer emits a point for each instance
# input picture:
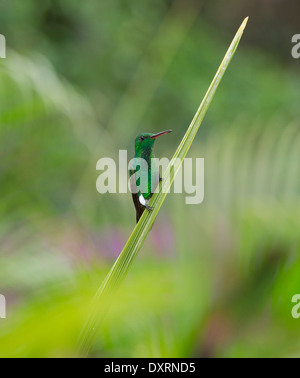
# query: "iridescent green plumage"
(143, 187)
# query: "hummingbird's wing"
(138, 206)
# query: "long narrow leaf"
(139, 234)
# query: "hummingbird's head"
(146, 141)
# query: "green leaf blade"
(135, 242)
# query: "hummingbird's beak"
(154, 136)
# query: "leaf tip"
(244, 24)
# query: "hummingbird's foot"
(149, 208)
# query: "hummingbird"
(144, 144)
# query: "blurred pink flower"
(163, 237)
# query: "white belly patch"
(142, 200)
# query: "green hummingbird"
(148, 172)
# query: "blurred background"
(80, 81)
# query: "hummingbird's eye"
(142, 138)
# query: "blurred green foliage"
(79, 82)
